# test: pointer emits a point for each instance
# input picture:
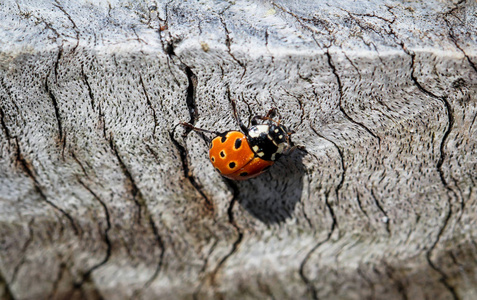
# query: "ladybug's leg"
(237, 118)
(201, 131)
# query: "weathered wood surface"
(103, 195)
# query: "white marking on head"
(257, 130)
(255, 148)
(280, 136)
(261, 154)
(276, 130)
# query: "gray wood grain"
(104, 195)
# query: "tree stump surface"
(104, 195)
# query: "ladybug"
(245, 154)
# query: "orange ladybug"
(247, 154)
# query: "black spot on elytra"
(238, 143)
(243, 174)
(212, 159)
(232, 165)
(223, 139)
(222, 153)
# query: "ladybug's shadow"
(272, 196)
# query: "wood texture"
(104, 195)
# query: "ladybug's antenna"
(198, 129)
(237, 118)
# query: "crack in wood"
(188, 174)
(360, 205)
(310, 286)
(341, 96)
(368, 281)
(228, 43)
(79, 163)
(315, 21)
(343, 167)
(380, 207)
(239, 231)
(300, 104)
(191, 95)
(59, 277)
(29, 15)
(149, 103)
(213, 274)
(4, 125)
(398, 283)
(29, 171)
(134, 190)
(443, 99)
(138, 293)
(57, 61)
(88, 86)
(453, 37)
(6, 292)
(52, 97)
(23, 250)
(75, 28)
(106, 234)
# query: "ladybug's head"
(269, 141)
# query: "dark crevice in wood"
(138, 293)
(232, 221)
(88, 86)
(79, 163)
(444, 278)
(6, 292)
(341, 96)
(57, 61)
(228, 43)
(311, 288)
(360, 204)
(131, 186)
(398, 283)
(368, 281)
(167, 45)
(308, 282)
(106, 233)
(188, 174)
(25, 246)
(191, 95)
(75, 28)
(380, 207)
(148, 100)
(213, 274)
(300, 104)
(57, 112)
(343, 167)
(59, 277)
(452, 35)
(29, 171)
(87, 289)
(4, 125)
